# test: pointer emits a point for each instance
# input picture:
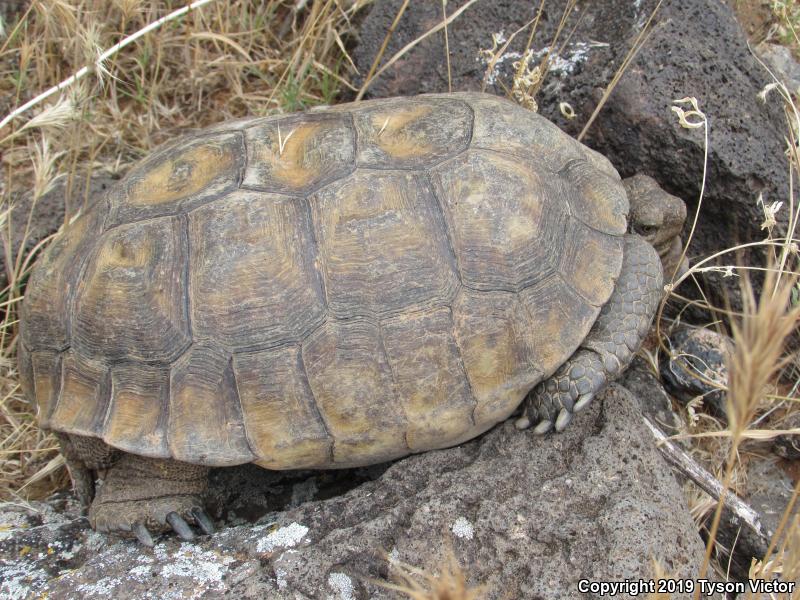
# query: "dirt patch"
(756, 17)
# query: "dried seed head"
(44, 172)
(450, 583)
(55, 116)
(698, 117)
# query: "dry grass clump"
(132, 74)
(759, 357)
(447, 582)
(763, 374)
(787, 25)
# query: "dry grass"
(447, 582)
(220, 61)
(763, 379)
(759, 357)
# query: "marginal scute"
(283, 423)
(179, 177)
(46, 376)
(25, 369)
(298, 154)
(504, 126)
(352, 383)
(239, 124)
(411, 133)
(136, 420)
(600, 162)
(83, 401)
(600, 201)
(131, 300)
(253, 279)
(560, 320)
(205, 417)
(506, 219)
(491, 329)
(429, 378)
(382, 244)
(46, 315)
(591, 262)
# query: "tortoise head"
(658, 217)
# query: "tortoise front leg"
(141, 495)
(611, 344)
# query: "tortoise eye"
(646, 230)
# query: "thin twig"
(405, 49)
(637, 45)
(706, 481)
(382, 49)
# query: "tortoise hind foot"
(609, 347)
(85, 457)
(142, 495)
(552, 403)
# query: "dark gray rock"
(528, 516)
(696, 48)
(770, 484)
(654, 400)
(788, 446)
(697, 366)
(782, 63)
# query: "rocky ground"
(531, 516)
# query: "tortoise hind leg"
(86, 457)
(141, 494)
(610, 346)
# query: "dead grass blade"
(410, 46)
(379, 56)
(447, 47)
(638, 44)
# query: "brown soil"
(755, 16)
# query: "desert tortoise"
(330, 289)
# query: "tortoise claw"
(143, 535)
(180, 526)
(564, 417)
(203, 520)
(583, 402)
(522, 423)
(543, 427)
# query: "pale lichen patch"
(280, 579)
(342, 585)
(463, 529)
(283, 537)
(203, 566)
(19, 581)
(102, 587)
